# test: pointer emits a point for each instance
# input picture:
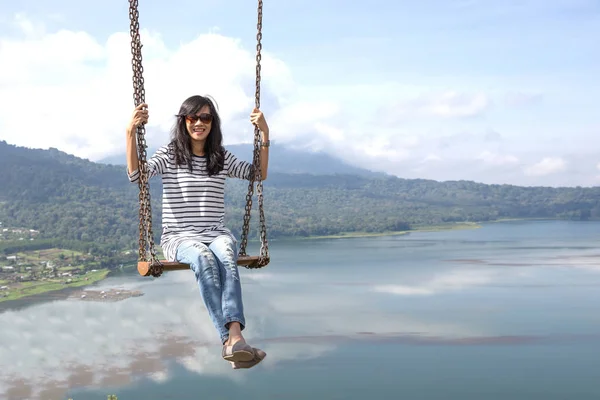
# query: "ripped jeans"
(216, 270)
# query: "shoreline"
(41, 288)
(107, 295)
(424, 228)
(47, 289)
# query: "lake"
(506, 311)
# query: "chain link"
(256, 175)
(146, 240)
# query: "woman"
(194, 166)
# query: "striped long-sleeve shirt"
(192, 203)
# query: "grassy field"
(56, 256)
(33, 276)
(24, 289)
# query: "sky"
(494, 92)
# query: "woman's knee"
(225, 248)
(202, 260)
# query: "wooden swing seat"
(144, 266)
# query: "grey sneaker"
(259, 355)
(241, 351)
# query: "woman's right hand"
(139, 116)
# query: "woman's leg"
(235, 349)
(225, 250)
(204, 264)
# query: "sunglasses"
(204, 117)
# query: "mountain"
(285, 160)
(70, 199)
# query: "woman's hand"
(139, 116)
(257, 118)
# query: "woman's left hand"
(258, 118)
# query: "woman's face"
(199, 125)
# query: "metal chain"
(264, 249)
(146, 240)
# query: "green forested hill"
(305, 204)
(68, 198)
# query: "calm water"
(508, 311)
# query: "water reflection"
(63, 345)
(68, 344)
(298, 312)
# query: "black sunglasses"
(204, 117)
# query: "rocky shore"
(105, 295)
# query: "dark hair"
(182, 142)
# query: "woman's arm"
(264, 155)
(140, 116)
(258, 118)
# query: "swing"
(148, 263)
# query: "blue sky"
(497, 92)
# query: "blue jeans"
(216, 270)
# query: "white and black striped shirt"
(192, 203)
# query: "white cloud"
(492, 136)
(497, 159)
(432, 157)
(80, 91)
(548, 165)
(442, 104)
(82, 94)
(452, 104)
(26, 26)
(302, 119)
(520, 99)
